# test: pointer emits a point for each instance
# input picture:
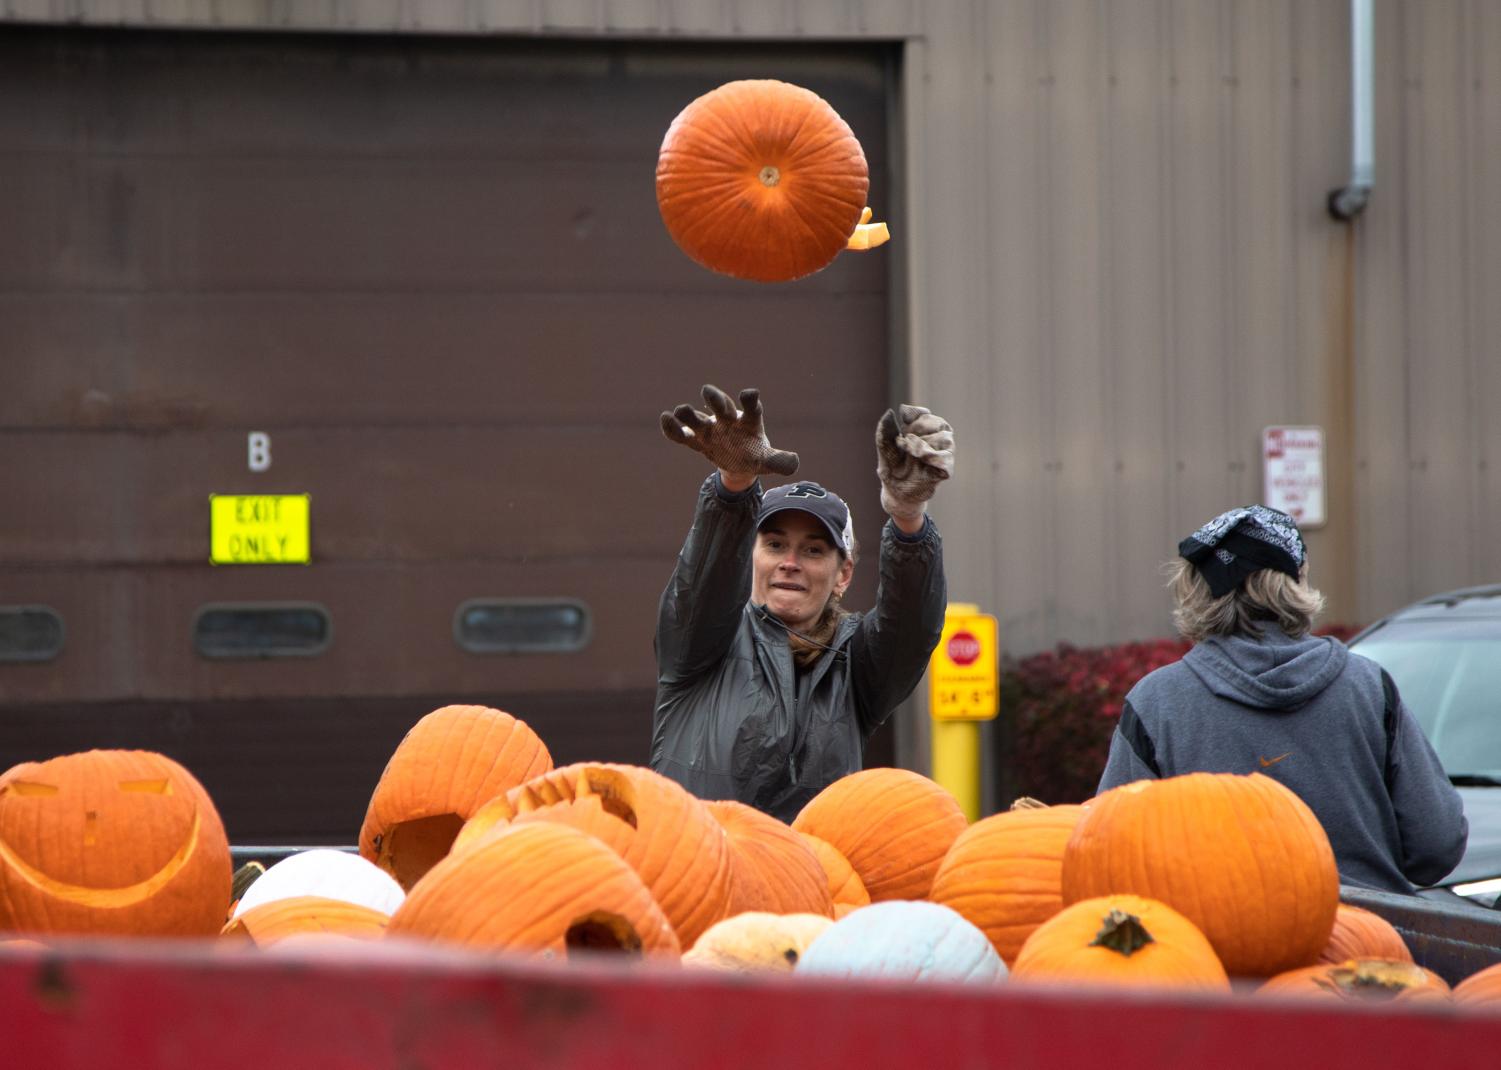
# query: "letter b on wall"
(259, 448)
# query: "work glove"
(733, 439)
(914, 453)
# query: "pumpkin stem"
(770, 176)
(244, 877)
(1026, 802)
(1122, 932)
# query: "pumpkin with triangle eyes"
(110, 842)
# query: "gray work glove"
(914, 453)
(733, 439)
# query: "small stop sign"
(963, 648)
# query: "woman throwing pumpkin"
(767, 688)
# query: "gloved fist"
(914, 453)
(734, 440)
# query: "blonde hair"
(1266, 595)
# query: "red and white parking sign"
(1292, 465)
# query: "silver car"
(1444, 653)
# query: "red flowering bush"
(1060, 709)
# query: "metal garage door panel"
(276, 360)
(410, 495)
(434, 272)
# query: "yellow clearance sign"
(962, 671)
(259, 529)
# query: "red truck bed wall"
(398, 1008)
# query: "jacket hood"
(1270, 671)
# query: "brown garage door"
(423, 282)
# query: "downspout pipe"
(1348, 201)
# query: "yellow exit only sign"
(962, 671)
(259, 529)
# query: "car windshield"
(1449, 675)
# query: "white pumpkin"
(328, 873)
(904, 940)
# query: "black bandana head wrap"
(1235, 544)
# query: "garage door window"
(522, 626)
(261, 630)
(30, 633)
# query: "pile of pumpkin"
(472, 838)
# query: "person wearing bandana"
(1258, 693)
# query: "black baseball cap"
(809, 497)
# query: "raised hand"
(734, 439)
(914, 453)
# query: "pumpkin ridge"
(793, 151)
(715, 216)
(900, 844)
(469, 758)
(720, 882)
(796, 209)
(733, 135)
(871, 834)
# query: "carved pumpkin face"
(110, 842)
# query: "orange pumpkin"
(273, 922)
(773, 870)
(1242, 857)
(844, 884)
(761, 180)
(1120, 939)
(1005, 873)
(449, 764)
(893, 825)
(664, 833)
(1362, 934)
(1482, 988)
(111, 842)
(1364, 980)
(542, 888)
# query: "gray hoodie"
(1315, 717)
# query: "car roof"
(1467, 603)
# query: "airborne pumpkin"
(761, 180)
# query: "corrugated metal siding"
(1156, 280)
(839, 19)
(1120, 269)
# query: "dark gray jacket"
(734, 719)
(1325, 722)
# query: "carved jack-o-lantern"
(110, 842)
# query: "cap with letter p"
(808, 497)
